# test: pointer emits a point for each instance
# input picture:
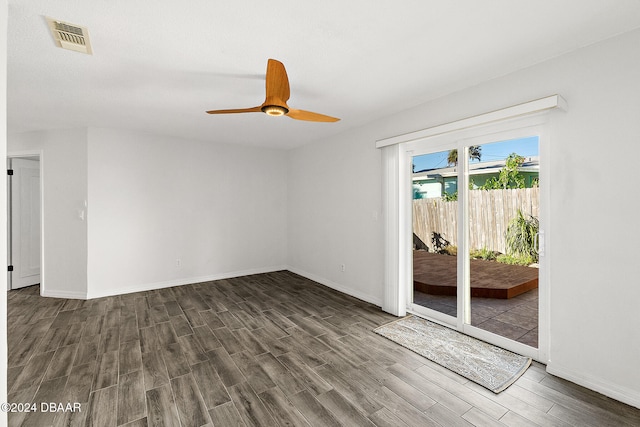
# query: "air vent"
(70, 36)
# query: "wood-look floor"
(270, 349)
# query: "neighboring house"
(432, 183)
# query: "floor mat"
(490, 366)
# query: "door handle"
(539, 243)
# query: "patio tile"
(515, 317)
(529, 310)
(530, 338)
(476, 319)
(524, 322)
(503, 329)
(487, 311)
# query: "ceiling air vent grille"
(70, 36)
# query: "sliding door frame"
(504, 130)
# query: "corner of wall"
(3, 210)
(64, 193)
(99, 293)
(623, 394)
(336, 286)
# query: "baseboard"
(340, 288)
(62, 294)
(180, 282)
(614, 391)
(219, 276)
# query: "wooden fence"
(489, 214)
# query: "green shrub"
(509, 177)
(521, 236)
(484, 253)
(450, 197)
(515, 260)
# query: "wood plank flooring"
(263, 350)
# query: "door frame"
(535, 124)
(28, 154)
(396, 191)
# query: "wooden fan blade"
(277, 84)
(310, 116)
(237, 110)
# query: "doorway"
(476, 225)
(24, 213)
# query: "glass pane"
(503, 225)
(435, 213)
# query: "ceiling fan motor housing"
(275, 110)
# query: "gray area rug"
(490, 366)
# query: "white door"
(25, 223)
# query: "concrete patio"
(504, 298)
(515, 318)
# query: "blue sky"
(493, 151)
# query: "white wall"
(3, 210)
(592, 241)
(64, 233)
(220, 209)
(334, 214)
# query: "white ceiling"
(158, 65)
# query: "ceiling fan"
(275, 103)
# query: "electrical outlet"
(178, 262)
(343, 268)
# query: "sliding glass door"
(435, 224)
(503, 214)
(476, 224)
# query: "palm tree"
(475, 152)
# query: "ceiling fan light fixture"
(274, 110)
(275, 103)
